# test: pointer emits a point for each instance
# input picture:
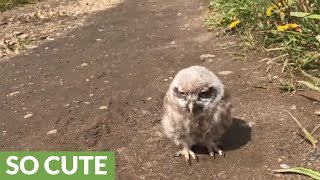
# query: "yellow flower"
(281, 28)
(294, 26)
(269, 11)
(272, 8)
(233, 24)
(290, 26)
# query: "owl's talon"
(186, 153)
(213, 149)
(212, 154)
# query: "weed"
(300, 170)
(287, 87)
(308, 172)
(8, 4)
(288, 27)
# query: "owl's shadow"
(238, 135)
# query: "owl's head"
(196, 89)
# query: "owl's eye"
(179, 93)
(207, 94)
(204, 94)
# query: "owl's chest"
(198, 127)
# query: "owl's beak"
(191, 106)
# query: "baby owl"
(197, 111)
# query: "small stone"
(50, 38)
(86, 102)
(103, 107)
(173, 42)
(91, 95)
(54, 131)
(84, 64)
(284, 166)
(317, 113)
(179, 14)
(251, 124)
(205, 56)
(225, 72)
(149, 98)
(170, 77)
(28, 116)
(293, 107)
(98, 39)
(14, 93)
(165, 80)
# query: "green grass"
(300, 170)
(313, 140)
(290, 30)
(8, 4)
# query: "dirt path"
(101, 88)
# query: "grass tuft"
(300, 170)
(290, 27)
(9, 4)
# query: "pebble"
(103, 107)
(28, 116)
(149, 98)
(293, 107)
(54, 131)
(204, 56)
(225, 72)
(14, 93)
(284, 166)
(50, 38)
(84, 64)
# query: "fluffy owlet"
(197, 111)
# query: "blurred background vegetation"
(8, 4)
